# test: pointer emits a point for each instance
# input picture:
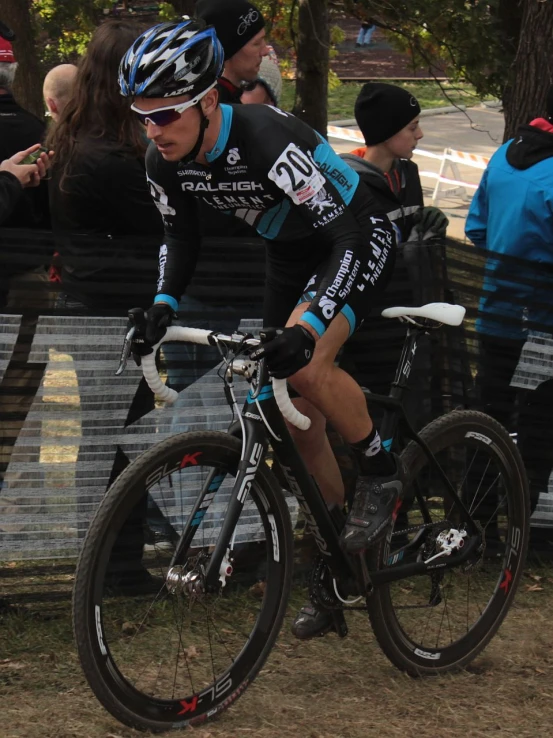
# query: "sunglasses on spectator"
(169, 113)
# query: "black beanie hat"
(382, 110)
(236, 22)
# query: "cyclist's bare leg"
(334, 394)
(317, 453)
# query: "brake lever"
(126, 351)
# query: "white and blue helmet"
(172, 59)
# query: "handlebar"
(209, 338)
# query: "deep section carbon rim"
(443, 619)
(158, 650)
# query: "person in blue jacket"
(511, 217)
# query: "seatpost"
(405, 363)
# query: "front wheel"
(440, 621)
(158, 649)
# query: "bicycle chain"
(320, 584)
(415, 528)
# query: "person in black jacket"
(107, 231)
(239, 26)
(15, 176)
(20, 129)
(388, 117)
(104, 221)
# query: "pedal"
(340, 625)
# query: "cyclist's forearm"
(177, 263)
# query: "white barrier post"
(458, 191)
(449, 160)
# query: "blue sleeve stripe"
(314, 322)
(168, 299)
(349, 315)
(342, 176)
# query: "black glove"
(158, 318)
(150, 328)
(287, 350)
(430, 222)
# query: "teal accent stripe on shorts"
(387, 445)
(168, 299)
(347, 312)
(314, 322)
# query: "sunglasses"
(168, 114)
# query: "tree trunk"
(312, 64)
(184, 7)
(28, 80)
(532, 71)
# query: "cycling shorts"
(294, 274)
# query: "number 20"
(298, 164)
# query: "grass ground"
(341, 100)
(327, 688)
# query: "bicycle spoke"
(439, 611)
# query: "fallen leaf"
(258, 589)
(191, 652)
(534, 588)
(129, 628)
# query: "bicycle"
(179, 641)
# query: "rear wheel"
(158, 650)
(441, 621)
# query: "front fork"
(253, 452)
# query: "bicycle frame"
(260, 423)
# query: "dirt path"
(327, 688)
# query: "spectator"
(100, 192)
(388, 117)
(366, 31)
(57, 88)
(19, 130)
(99, 183)
(516, 299)
(240, 29)
(19, 380)
(267, 88)
(14, 176)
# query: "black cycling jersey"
(277, 174)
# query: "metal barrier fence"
(68, 426)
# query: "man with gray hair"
(57, 88)
(240, 27)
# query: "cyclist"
(328, 251)
(240, 28)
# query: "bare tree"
(312, 50)
(184, 7)
(28, 82)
